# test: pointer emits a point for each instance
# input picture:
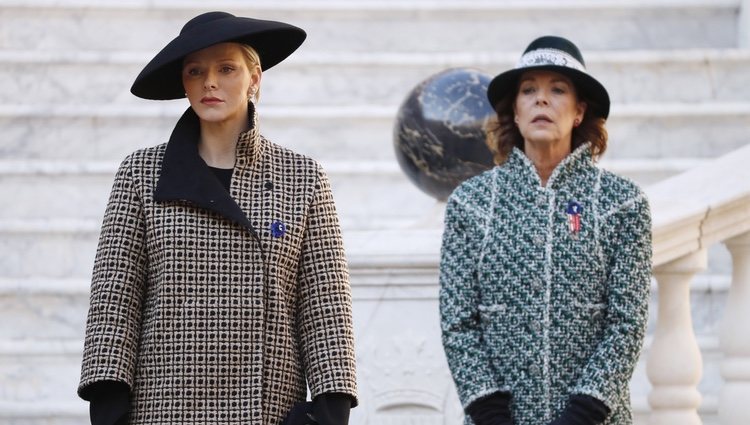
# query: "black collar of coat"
(185, 176)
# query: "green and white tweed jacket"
(532, 305)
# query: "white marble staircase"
(677, 72)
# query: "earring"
(576, 122)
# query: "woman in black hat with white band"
(220, 291)
(546, 258)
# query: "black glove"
(582, 410)
(109, 403)
(326, 409)
(332, 408)
(493, 409)
(300, 414)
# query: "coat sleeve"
(609, 370)
(114, 317)
(325, 302)
(462, 338)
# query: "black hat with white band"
(559, 55)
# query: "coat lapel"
(185, 177)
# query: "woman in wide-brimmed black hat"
(220, 291)
(546, 258)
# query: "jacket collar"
(571, 167)
(186, 177)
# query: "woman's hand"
(493, 409)
(582, 410)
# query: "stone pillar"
(743, 25)
(734, 339)
(674, 365)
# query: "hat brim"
(161, 78)
(587, 86)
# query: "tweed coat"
(532, 307)
(219, 307)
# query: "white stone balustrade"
(743, 30)
(734, 408)
(693, 211)
(674, 362)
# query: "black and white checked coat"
(532, 308)
(208, 314)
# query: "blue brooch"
(278, 229)
(574, 210)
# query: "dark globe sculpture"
(439, 134)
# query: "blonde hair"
(252, 59)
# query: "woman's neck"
(219, 142)
(546, 156)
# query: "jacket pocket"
(493, 308)
(591, 310)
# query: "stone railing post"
(674, 365)
(743, 25)
(734, 339)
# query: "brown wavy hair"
(503, 134)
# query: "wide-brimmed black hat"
(555, 54)
(161, 78)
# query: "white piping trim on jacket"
(471, 208)
(547, 300)
(627, 204)
(596, 216)
(488, 219)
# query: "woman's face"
(218, 82)
(547, 108)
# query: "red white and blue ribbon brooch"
(574, 210)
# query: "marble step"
(39, 366)
(39, 371)
(337, 25)
(65, 248)
(377, 78)
(109, 132)
(370, 193)
(76, 413)
(50, 309)
(39, 381)
(364, 190)
(53, 248)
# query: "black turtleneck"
(224, 175)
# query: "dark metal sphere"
(439, 134)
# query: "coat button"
(535, 327)
(538, 240)
(541, 201)
(536, 284)
(534, 369)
